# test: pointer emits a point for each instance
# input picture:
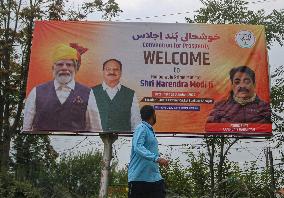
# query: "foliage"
(277, 99)
(118, 186)
(33, 162)
(177, 179)
(80, 173)
(199, 173)
(73, 176)
(247, 182)
(237, 12)
(33, 153)
(194, 180)
(187, 181)
(11, 188)
(118, 177)
(16, 27)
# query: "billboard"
(200, 78)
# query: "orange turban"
(72, 52)
(62, 52)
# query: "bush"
(10, 188)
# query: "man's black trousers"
(141, 189)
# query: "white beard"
(63, 79)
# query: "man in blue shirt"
(144, 177)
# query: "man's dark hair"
(112, 59)
(147, 111)
(242, 69)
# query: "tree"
(237, 12)
(80, 174)
(11, 188)
(33, 156)
(16, 27)
(178, 180)
(277, 103)
(278, 111)
(194, 180)
(218, 147)
(76, 175)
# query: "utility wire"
(261, 1)
(77, 145)
(156, 16)
(181, 13)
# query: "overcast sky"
(177, 10)
(171, 11)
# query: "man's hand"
(163, 162)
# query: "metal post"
(108, 140)
(273, 185)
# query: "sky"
(176, 11)
(172, 11)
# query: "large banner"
(200, 78)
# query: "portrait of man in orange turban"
(62, 104)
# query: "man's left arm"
(135, 113)
(93, 120)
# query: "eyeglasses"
(112, 69)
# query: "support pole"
(273, 183)
(108, 140)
